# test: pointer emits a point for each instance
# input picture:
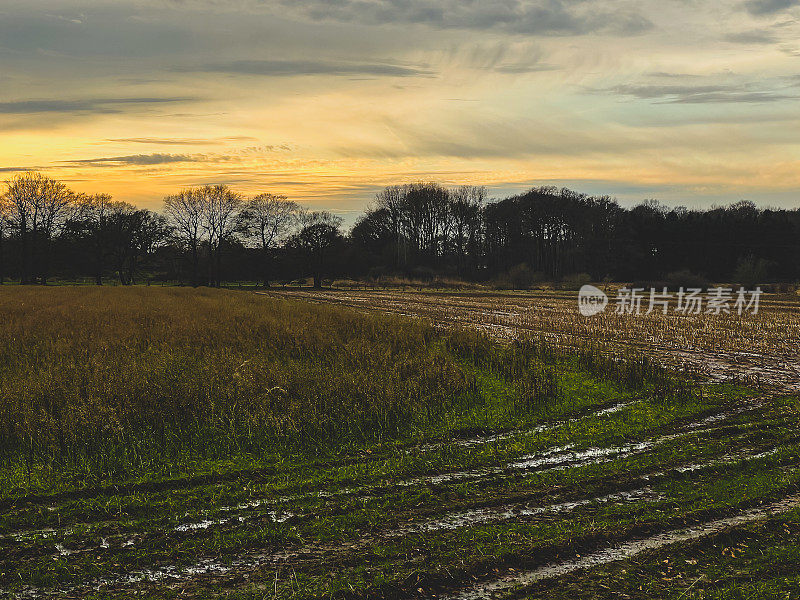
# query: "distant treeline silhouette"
(211, 235)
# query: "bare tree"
(135, 233)
(185, 212)
(466, 203)
(90, 220)
(5, 212)
(38, 208)
(220, 207)
(267, 219)
(392, 200)
(317, 242)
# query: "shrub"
(575, 281)
(750, 271)
(686, 279)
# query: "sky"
(691, 102)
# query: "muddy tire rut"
(541, 504)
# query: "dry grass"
(121, 380)
(98, 372)
(762, 347)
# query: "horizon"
(689, 104)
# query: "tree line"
(211, 234)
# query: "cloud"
(768, 7)
(752, 36)
(139, 160)
(520, 69)
(159, 158)
(17, 169)
(278, 68)
(529, 17)
(698, 94)
(88, 105)
(183, 141)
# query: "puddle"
(499, 437)
(563, 457)
(722, 416)
(206, 523)
(579, 456)
(620, 551)
(478, 516)
(616, 408)
(449, 521)
(32, 534)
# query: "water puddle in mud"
(206, 523)
(577, 457)
(33, 534)
(616, 408)
(549, 460)
(480, 440)
(553, 459)
(728, 414)
(620, 551)
(564, 457)
(448, 521)
(479, 516)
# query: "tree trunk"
(195, 265)
(317, 281)
(265, 268)
(25, 263)
(219, 268)
(210, 281)
(44, 260)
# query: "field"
(760, 348)
(159, 442)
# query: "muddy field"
(476, 518)
(614, 494)
(762, 349)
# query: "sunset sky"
(688, 101)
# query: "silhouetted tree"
(420, 229)
(266, 219)
(466, 203)
(220, 206)
(185, 211)
(91, 223)
(317, 243)
(38, 206)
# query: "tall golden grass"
(99, 372)
(114, 379)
